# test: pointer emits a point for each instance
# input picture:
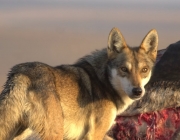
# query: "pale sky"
(60, 31)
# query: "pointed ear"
(150, 43)
(116, 43)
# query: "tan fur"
(28, 134)
(74, 102)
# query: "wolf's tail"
(12, 104)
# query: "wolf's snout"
(137, 91)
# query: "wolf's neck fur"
(98, 60)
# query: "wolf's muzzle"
(137, 91)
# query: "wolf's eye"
(144, 70)
(124, 69)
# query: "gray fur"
(163, 90)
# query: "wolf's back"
(24, 99)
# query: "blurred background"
(61, 31)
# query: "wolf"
(78, 101)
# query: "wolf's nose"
(137, 91)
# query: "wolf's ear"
(150, 43)
(116, 43)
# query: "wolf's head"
(131, 68)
